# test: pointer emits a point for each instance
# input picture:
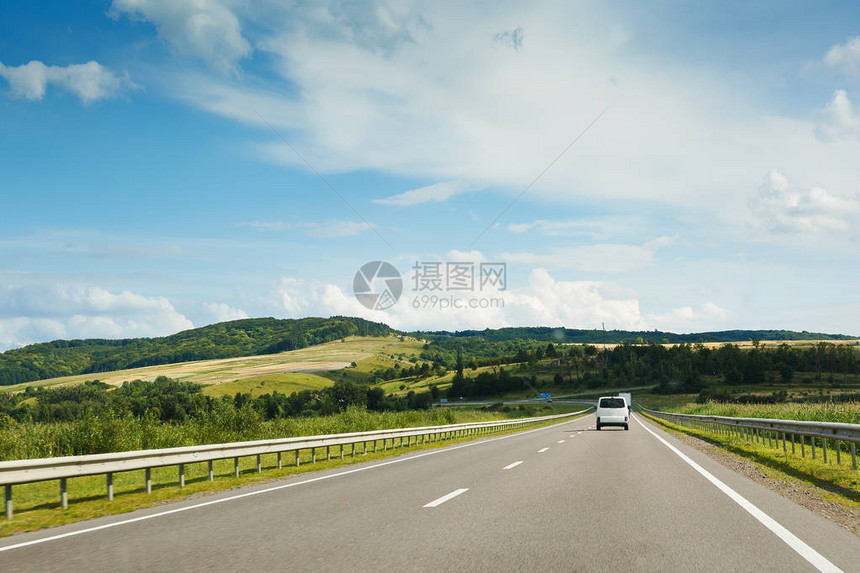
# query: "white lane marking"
(511, 466)
(573, 435)
(542, 450)
(561, 441)
(578, 433)
(269, 489)
(816, 559)
(445, 498)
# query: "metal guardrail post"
(768, 432)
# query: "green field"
(285, 383)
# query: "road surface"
(560, 498)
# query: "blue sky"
(147, 186)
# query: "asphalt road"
(561, 498)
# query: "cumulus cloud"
(838, 120)
(222, 312)
(845, 57)
(200, 28)
(687, 318)
(46, 312)
(438, 192)
(542, 301)
(90, 82)
(785, 209)
(608, 258)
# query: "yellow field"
(368, 352)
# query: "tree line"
(175, 401)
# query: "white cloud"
(608, 258)
(838, 120)
(785, 209)
(688, 319)
(543, 301)
(90, 82)
(45, 312)
(438, 192)
(268, 225)
(202, 28)
(845, 57)
(222, 312)
(594, 227)
(334, 229)
(408, 102)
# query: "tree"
(345, 393)
(375, 398)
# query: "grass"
(846, 412)
(37, 504)
(839, 483)
(284, 382)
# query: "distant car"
(549, 400)
(612, 411)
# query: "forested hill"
(247, 337)
(577, 336)
(255, 336)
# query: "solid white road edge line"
(445, 498)
(542, 450)
(815, 559)
(512, 466)
(274, 488)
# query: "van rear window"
(612, 403)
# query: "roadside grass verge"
(845, 412)
(37, 505)
(838, 483)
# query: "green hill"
(247, 337)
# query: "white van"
(612, 411)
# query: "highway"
(559, 498)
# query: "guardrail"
(19, 472)
(761, 429)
